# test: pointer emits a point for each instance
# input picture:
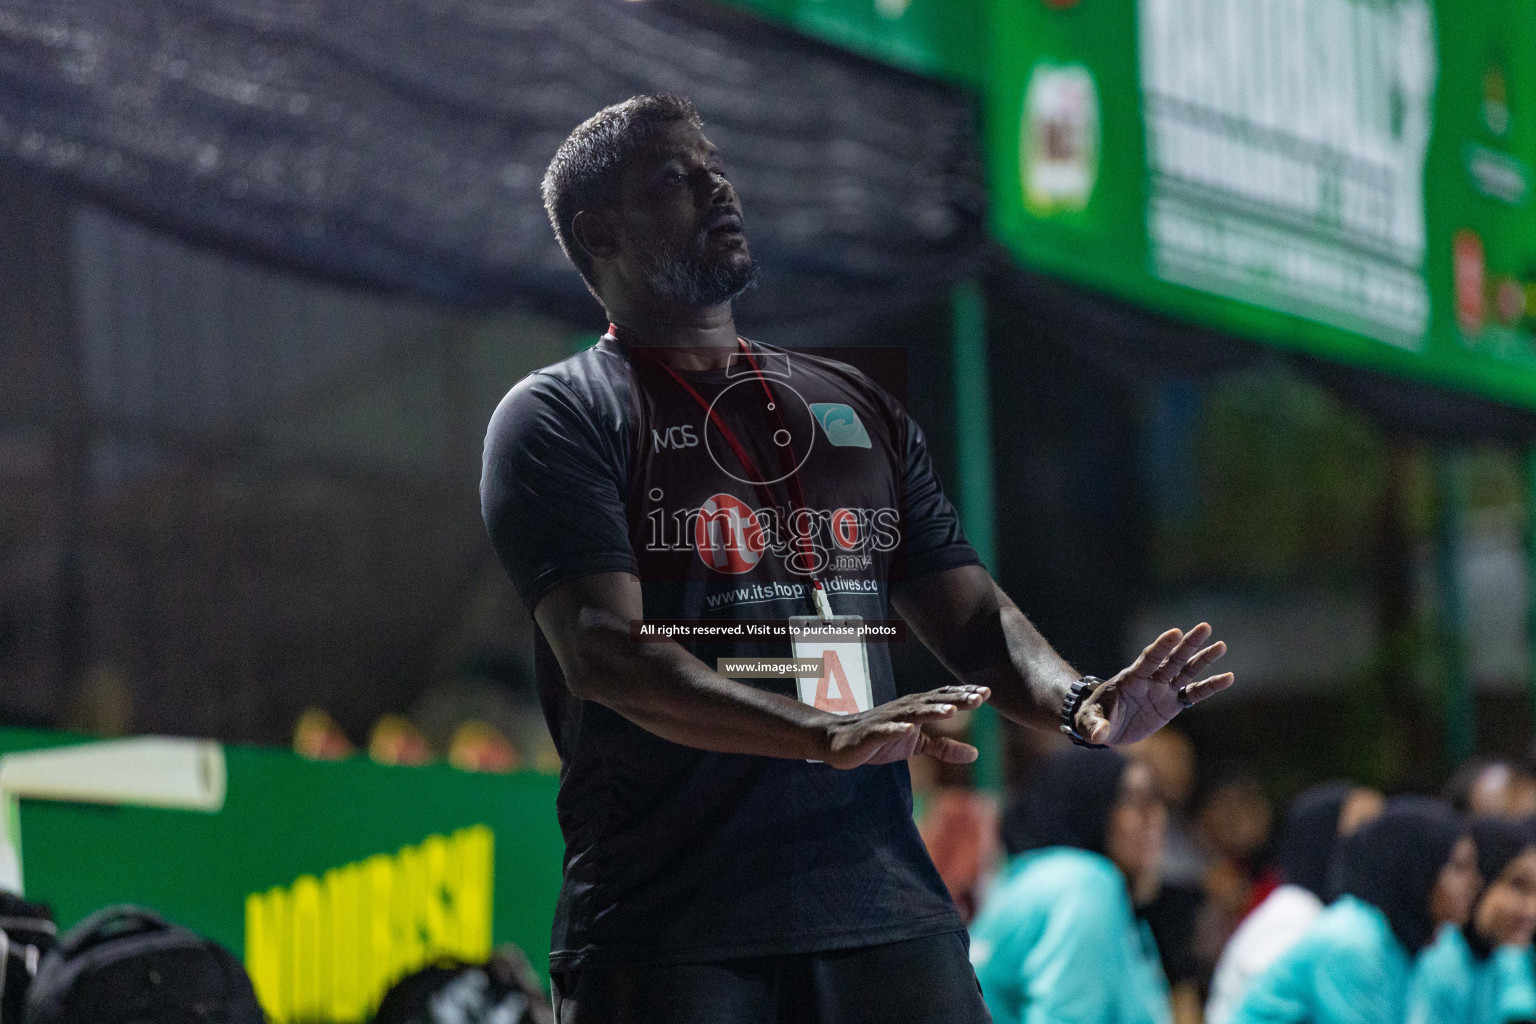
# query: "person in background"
(1482, 973)
(1174, 909)
(1235, 821)
(317, 736)
(1057, 939)
(1173, 760)
(1489, 787)
(1403, 874)
(959, 828)
(1315, 824)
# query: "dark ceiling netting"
(400, 143)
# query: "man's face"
(680, 223)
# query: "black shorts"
(919, 981)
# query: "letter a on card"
(832, 690)
(844, 685)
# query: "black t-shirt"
(602, 463)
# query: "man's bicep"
(596, 608)
(586, 623)
(553, 490)
(942, 608)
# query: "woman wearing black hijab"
(1401, 876)
(1314, 824)
(1057, 938)
(1481, 973)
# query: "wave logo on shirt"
(841, 424)
(728, 535)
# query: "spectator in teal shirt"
(1057, 940)
(1401, 875)
(1482, 973)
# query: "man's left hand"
(1147, 695)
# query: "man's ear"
(595, 234)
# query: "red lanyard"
(797, 494)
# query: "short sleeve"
(932, 539)
(553, 490)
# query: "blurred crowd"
(475, 721)
(470, 744)
(477, 725)
(1116, 887)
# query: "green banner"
(1350, 178)
(330, 880)
(941, 38)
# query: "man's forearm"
(667, 691)
(1029, 680)
(983, 638)
(1034, 680)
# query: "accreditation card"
(844, 684)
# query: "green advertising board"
(941, 38)
(1351, 178)
(330, 880)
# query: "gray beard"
(693, 280)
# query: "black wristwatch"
(1079, 692)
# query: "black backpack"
(127, 965)
(503, 990)
(27, 932)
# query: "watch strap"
(1077, 694)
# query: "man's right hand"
(894, 731)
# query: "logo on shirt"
(728, 535)
(674, 437)
(841, 424)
